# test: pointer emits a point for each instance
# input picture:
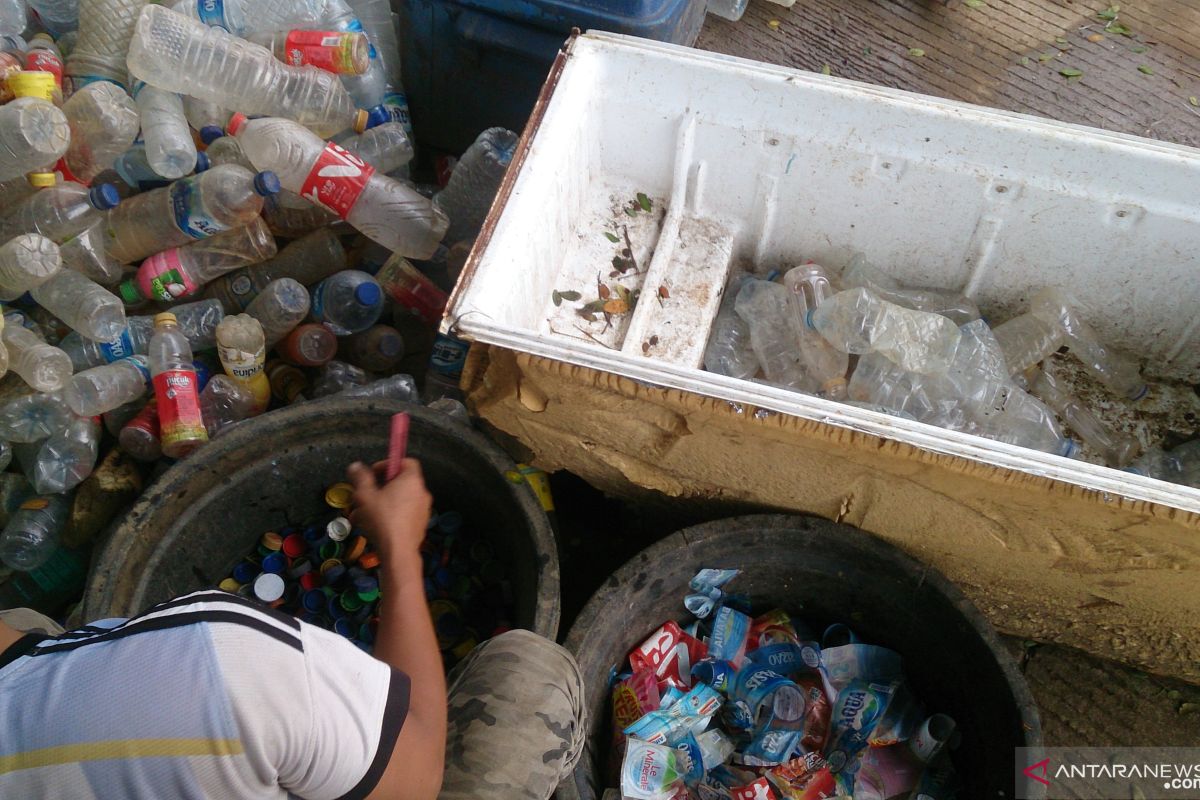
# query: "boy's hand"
(394, 513)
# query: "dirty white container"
(759, 165)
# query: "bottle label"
(143, 366)
(178, 407)
(189, 211)
(337, 179)
(116, 350)
(317, 302)
(162, 277)
(212, 13)
(396, 104)
(320, 49)
(45, 61)
(240, 364)
(449, 355)
(34, 504)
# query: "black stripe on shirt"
(217, 596)
(175, 621)
(394, 714)
(20, 647)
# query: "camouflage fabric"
(27, 620)
(517, 720)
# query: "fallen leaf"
(1118, 28)
(1096, 37)
(629, 211)
(604, 291)
(1044, 57)
(592, 307)
(625, 295)
(1145, 69)
(1070, 72)
(616, 306)
(974, 3)
(664, 293)
(825, 70)
(612, 237)
(1025, 62)
(1109, 13)
(916, 52)
(556, 296)
(773, 24)
(1141, 48)
(644, 202)
(571, 296)
(1060, 40)
(1194, 101)
(654, 340)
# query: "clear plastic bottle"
(176, 389)
(280, 307)
(134, 170)
(444, 374)
(729, 351)
(219, 199)
(13, 17)
(379, 348)
(452, 408)
(1115, 371)
(33, 134)
(348, 302)
(82, 304)
(67, 457)
(60, 212)
(104, 122)
(763, 306)
(43, 55)
(198, 321)
(808, 286)
(394, 108)
(140, 437)
(385, 147)
(339, 52)
(336, 376)
(32, 417)
(474, 183)
(309, 345)
(44, 367)
(182, 271)
(182, 55)
(15, 190)
(207, 118)
(57, 16)
(105, 28)
(857, 321)
(248, 17)
(1179, 465)
(101, 389)
(27, 261)
(241, 346)
(170, 148)
(1027, 340)
(33, 532)
(85, 254)
(732, 10)
(383, 209)
(307, 260)
(394, 387)
(958, 307)
(1116, 450)
(225, 402)
(879, 383)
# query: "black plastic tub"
(205, 513)
(825, 572)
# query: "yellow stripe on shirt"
(119, 748)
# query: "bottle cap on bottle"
(376, 116)
(367, 293)
(268, 587)
(41, 180)
(104, 196)
(131, 295)
(164, 318)
(390, 344)
(266, 183)
(202, 163)
(235, 123)
(361, 120)
(210, 133)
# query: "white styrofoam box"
(762, 166)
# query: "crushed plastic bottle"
(33, 532)
(808, 286)
(348, 302)
(60, 212)
(26, 262)
(101, 389)
(1027, 340)
(33, 135)
(176, 388)
(308, 260)
(280, 307)
(170, 149)
(105, 28)
(67, 457)
(385, 147)
(44, 367)
(225, 402)
(58, 16)
(958, 307)
(383, 209)
(1113, 370)
(104, 121)
(474, 183)
(198, 321)
(396, 387)
(1116, 450)
(1178, 465)
(763, 306)
(82, 304)
(729, 351)
(178, 54)
(337, 376)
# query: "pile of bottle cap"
(326, 573)
(205, 214)
(755, 708)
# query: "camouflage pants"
(517, 720)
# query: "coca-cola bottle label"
(178, 406)
(337, 179)
(190, 215)
(45, 61)
(162, 277)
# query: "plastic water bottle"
(176, 388)
(474, 183)
(182, 55)
(82, 304)
(198, 321)
(60, 212)
(808, 287)
(857, 321)
(33, 532)
(309, 345)
(44, 367)
(280, 307)
(763, 306)
(1179, 465)
(169, 145)
(33, 134)
(308, 260)
(379, 348)
(27, 261)
(878, 383)
(242, 348)
(1116, 450)
(385, 147)
(339, 52)
(104, 122)
(58, 16)
(246, 18)
(1115, 371)
(13, 17)
(105, 29)
(348, 302)
(207, 118)
(134, 170)
(67, 457)
(337, 376)
(101, 389)
(729, 351)
(182, 271)
(394, 387)
(225, 402)
(861, 273)
(383, 209)
(394, 108)
(32, 417)
(15, 190)
(219, 199)
(1027, 340)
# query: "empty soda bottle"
(175, 389)
(219, 199)
(1178, 465)
(100, 389)
(67, 457)
(169, 145)
(181, 55)
(134, 170)
(105, 28)
(104, 122)
(958, 307)
(809, 286)
(857, 321)
(241, 346)
(383, 209)
(44, 367)
(84, 305)
(336, 376)
(280, 307)
(140, 437)
(33, 416)
(412, 289)
(57, 16)
(339, 52)
(763, 306)
(1116, 450)
(33, 134)
(27, 261)
(348, 302)
(379, 348)
(385, 147)
(182, 271)
(60, 212)
(309, 345)
(198, 321)
(249, 17)
(474, 183)
(307, 260)
(44, 56)
(206, 118)
(225, 402)
(33, 533)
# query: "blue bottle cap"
(267, 183)
(391, 345)
(202, 163)
(104, 196)
(313, 533)
(313, 601)
(210, 133)
(368, 294)
(245, 572)
(276, 563)
(344, 627)
(365, 584)
(334, 608)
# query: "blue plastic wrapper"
(772, 747)
(787, 658)
(731, 631)
(859, 708)
(864, 662)
(712, 579)
(772, 700)
(718, 674)
(693, 709)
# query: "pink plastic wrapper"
(759, 790)
(887, 772)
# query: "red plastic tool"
(397, 444)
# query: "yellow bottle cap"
(33, 84)
(339, 495)
(360, 121)
(41, 180)
(229, 585)
(165, 316)
(272, 540)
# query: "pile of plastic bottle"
(732, 707)
(241, 165)
(326, 573)
(925, 354)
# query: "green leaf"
(612, 237)
(1044, 57)
(1141, 48)
(1145, 69)
(1025, 62)
(1060, 40)
(974, 3)
(1194, 101)
(866, 51)
(594, 307)
(556, 296)
(569, 296)
(1118, 28)
(644, 201)
(1109, 13)
(825, 70)
(916, 52)
(1070, 72)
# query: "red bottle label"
(162, 277)
(179, 417)
(337, 179)
(45, 61)
(318, 49)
